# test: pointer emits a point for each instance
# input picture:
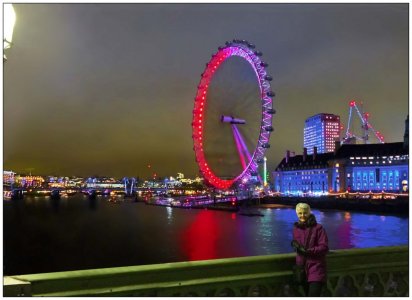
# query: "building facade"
(303, 175)
(29, 181)
(8, 177)
(321, 131)
(351, 168)
(370, 168)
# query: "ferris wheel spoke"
(244, 149)
(239, 147)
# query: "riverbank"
(397, 206)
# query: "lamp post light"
(9, 18)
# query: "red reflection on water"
(344, 233)
(199, 241)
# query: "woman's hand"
(298, 247)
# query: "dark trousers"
(313, 289)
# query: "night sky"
(106, 89)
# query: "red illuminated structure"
(350, 137)
(244, 50)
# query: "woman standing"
(310, 242)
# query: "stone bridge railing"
(381, 271)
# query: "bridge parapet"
(381, 271)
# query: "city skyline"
(108, 89)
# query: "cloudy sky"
(106, 89)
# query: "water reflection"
(344, 235)
(169, 212)
(92, 203)
(199, 239)
(266, 232)
(55, 203)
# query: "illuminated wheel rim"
(246, 51)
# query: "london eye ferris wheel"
(232, 115)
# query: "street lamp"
(9, 18)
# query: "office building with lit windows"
(321, 131)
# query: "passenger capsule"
(265, 145)
(263, 64)
(271, 111)
(260, 161)
(251, 46)
(258, 53)
(269, 128)
(270, 94)
(268, 78)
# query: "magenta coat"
(317, 248)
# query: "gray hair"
(303, 206)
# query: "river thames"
(45, 235)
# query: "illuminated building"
(370, 168)
(363, 168)
(191, 181)
(181, 178)
(301, 175)
(29, 181)
(321, 131)
(103, 183)
(8, 177)
(351, 168)
(172, 182)
(63, 182)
